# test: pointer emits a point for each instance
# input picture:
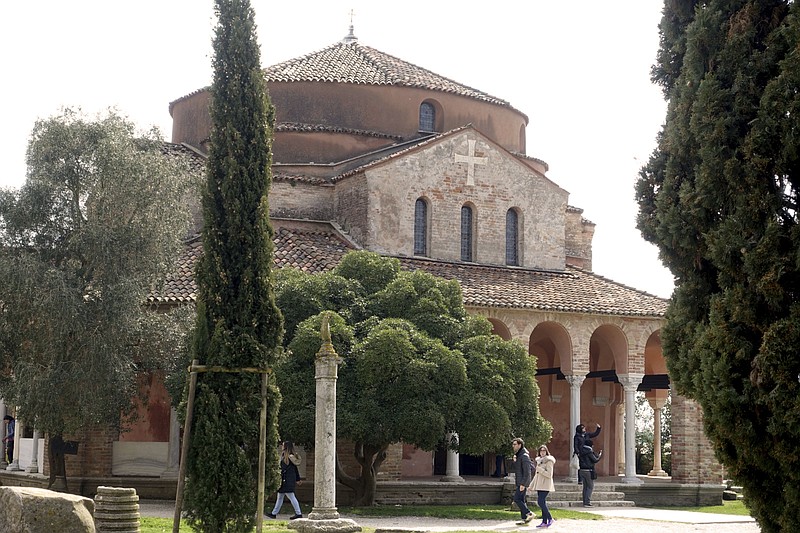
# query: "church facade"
(372, 152)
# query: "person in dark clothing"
(500, 465)
(580, 437)
(289, 477)
(586, 460)
(10, 423)
(522, 475)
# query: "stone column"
(324, 516)
(630, 383)
(33, 468)
(657, 404)
(3, 413)
(18, 429)
(174, 447)
(451, 472)
(620, 437)
(575, 381)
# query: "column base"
(452, 479)
(323, 513)
(628, 480)
(14, 467)
(657, 473)
(339, 525)
(32, 469)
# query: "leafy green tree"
(415, 366)
(719, 197)
(238, 323)
(97, 223)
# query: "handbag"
(594, 474)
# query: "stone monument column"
(324, 516)
(620, 437)
(174, 447)
(33, 468)
(575, 381)
(451, 472)
(657, 404)
(630, 383)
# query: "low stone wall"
(672, 494)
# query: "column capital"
(575, 380)
(630, 382)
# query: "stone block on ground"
(117, 510)
(35, 510)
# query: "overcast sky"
(579, 70)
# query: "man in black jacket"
(522, 476)
(586, 460)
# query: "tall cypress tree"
(719, 197)
(238, 323)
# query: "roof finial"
(350, 37)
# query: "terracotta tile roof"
(309, 251)
(358, 64)
(196, 160)
(572, 290)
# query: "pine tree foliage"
(719, 198)
(415, 366)
(97, 224)
(238, 323)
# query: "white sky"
(578, 69)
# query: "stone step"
(576, 496)
(595, 503)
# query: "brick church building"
(372, 152)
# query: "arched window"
(466, 233)
(512, 238)
(427, 117)
(420, 227)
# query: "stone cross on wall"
(471, 160)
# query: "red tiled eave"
(572, 290)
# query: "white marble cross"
(471, 160)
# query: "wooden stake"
(176, 521)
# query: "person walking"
(522, 475)
(586, 460)
(289, 477)
(543, 483)
(10, 423)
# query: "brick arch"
(608, 341)
(654, 362)
(500, 329)
(551, 343)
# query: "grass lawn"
(736, 507)
(468, 512)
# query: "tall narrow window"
(466, 233)
(427, 117)
(421, 227)
(512, 238)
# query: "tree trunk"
(58, 468)
(365, 486)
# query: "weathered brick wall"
(293, 199)
(432, 173)
(351, 207)
(94, 455)
(693, 458)
(579, 234)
